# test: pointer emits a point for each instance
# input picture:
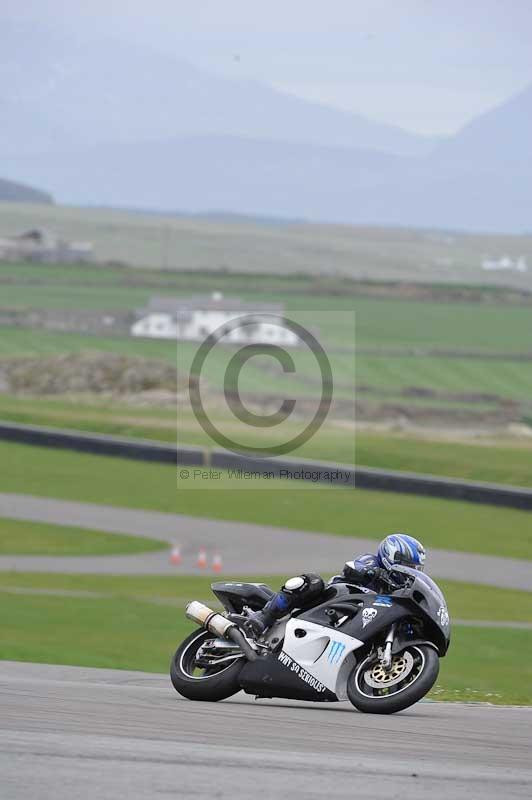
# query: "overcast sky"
(427, 65)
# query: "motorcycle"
(381, 651)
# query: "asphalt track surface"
(72, 733)
(246, 549)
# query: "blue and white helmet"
(398, 548)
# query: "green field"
(434, 355)
(127, 628)
(385, 376)
(19, 537)
(487, 459)
(99, 479)
(25, 342)
(392, 322)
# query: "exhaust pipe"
(220, 626)
(207, 618)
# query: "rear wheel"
(196, 682)
(412, 674)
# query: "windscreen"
(421, 576)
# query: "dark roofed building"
(41, 245)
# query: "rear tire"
(413, 674)
(207, 687)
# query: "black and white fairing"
(312, 664)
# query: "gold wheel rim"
(401, 667)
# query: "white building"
(196, 318)
(505, 263)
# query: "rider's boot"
(260, 621)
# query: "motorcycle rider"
(372, 572)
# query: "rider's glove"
(385, 576)
(358, 573)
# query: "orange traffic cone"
(217, 563)
(175, 555)
(202, 558)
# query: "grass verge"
(465, 600)
(19, 537)
(488, 665)
(98, 479)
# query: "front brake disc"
(379, 678)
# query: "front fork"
(386, 652)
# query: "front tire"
(413, 673)
(205, 685)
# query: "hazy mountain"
(11, 192)
(69, 94)
(498, 140)
(482, 177)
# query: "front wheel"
(197, 683)
(412, 674)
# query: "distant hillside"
(187, 243)
(19, 193)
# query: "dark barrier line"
(89, 443)
(366, 477)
